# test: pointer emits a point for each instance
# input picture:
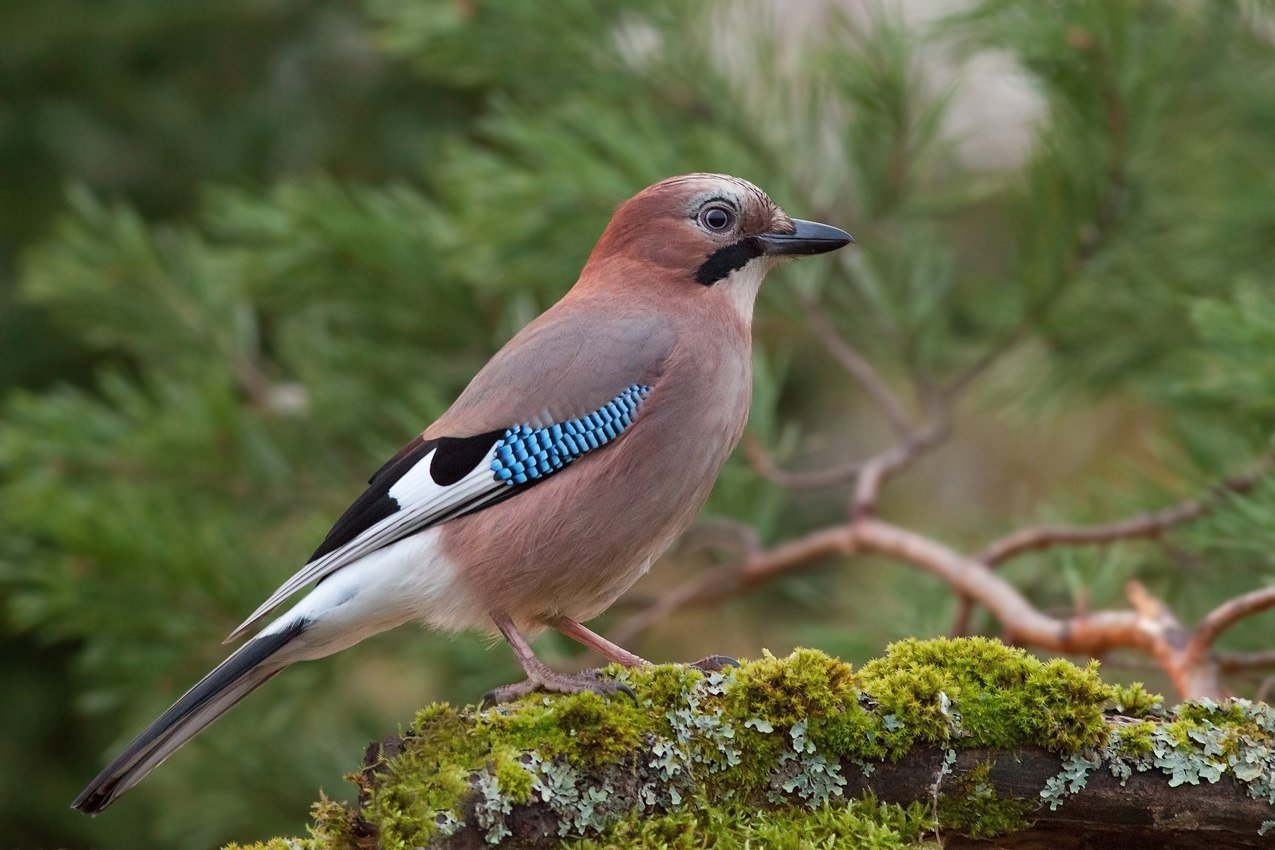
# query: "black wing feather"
(454, 458)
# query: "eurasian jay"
(567, 466)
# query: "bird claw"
(592, 681)
(714, 663)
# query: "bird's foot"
(714, 663)
(558, 683)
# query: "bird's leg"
(540, 677)
(596, 642)
(620, 655)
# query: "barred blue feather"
(526, 454)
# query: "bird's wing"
(508, 435)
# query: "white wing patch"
(421, 503)
(415, 500)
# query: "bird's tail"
(249, 667)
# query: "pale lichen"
(769, 743)
(1202, 740)
(1073, 776)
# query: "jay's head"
(703, 231)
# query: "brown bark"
(1143, 813)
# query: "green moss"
(977, 692)
(424, 782)
(1133, 740)
(864, 825)
(513, 779)
(583, 728)
(806, 684)
(970, 805)
(332, 830)
(1135, 701)
(770, 693)
(765, 742)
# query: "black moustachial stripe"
(725, 260)
(455, 458)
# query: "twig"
(1227, 615)
(738, 538)
(877, 470)
(1148, 625)
(765, 466)
(1146, 525)
(1239, 662)
(858, 366)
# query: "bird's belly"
(576, 542)
(573, 562)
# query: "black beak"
(810, 237)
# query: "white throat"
(741, 287)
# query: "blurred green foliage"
(248, 249)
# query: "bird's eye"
(717, 219)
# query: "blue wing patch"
(526, 454)
(433, 481)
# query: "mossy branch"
(943, 741)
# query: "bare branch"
(1148, 626)
(765, 466)
(858, 366)
(877, 470)
(1227, 615)
(1142, 526)
(1239, 662)
(738, 538)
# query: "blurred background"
(248, 249)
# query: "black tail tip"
(94, 799)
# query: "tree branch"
(815, 479)
(1226, 615)
(1240, 662)
(1145, 525)
(858, 366)
(877, 470)
(1148, 625)
(1140, 811)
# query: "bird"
(572, 460)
